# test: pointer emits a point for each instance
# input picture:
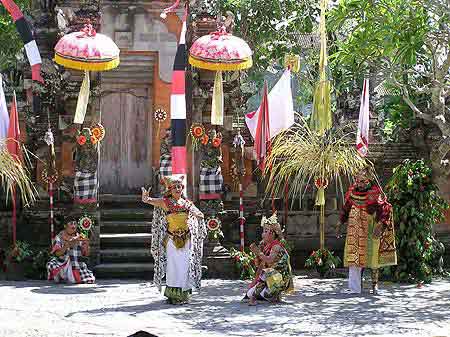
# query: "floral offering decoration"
(91, 136)
(323, 261)
(244, 262)
(85, 224)
(214, 224)
(197, 134)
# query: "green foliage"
(215, 235)
(21, 252)
(323, 261)
(417, 207)
(10, 41)
(38, 269)
(401, 43)
(244, 263)
(377, 32)
(268, 26)
(396, 115)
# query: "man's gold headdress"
(272, 223)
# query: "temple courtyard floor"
(317, 308)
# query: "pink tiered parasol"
(89, 51)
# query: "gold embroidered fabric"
(178, 229)
(364, 250)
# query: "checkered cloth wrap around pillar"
(85, 187)
(211, 182)
(165, 165)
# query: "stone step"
(126, 255)
(125, 240)
(130, 227)
(143, 270)
(123, 214)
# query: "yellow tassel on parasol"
(86, 50)
(220, 51)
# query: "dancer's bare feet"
(252, 301)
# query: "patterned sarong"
(211, 183)
(361, 248)
(85, 187)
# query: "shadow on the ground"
(317, 306)
(47, 287)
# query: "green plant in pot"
(323, 261)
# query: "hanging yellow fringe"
(88, 64)
(209, 65)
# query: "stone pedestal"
(218, 262)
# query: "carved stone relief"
(136, 29)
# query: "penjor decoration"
(89, 51)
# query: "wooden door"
(126, 107)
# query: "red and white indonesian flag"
(280, 106)
(4, 117)
(362, 136)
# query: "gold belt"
(179, 238)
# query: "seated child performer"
(274, 273)
(68, 246)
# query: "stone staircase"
(125, 238)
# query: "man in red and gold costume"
(370, 241)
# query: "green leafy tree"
(417, 207)
(406, 44)
(10, 41)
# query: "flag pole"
(241, 214)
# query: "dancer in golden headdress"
(274, 273)
(178, 231)
(370, 241)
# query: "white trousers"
(177, 272)
(263, 293)
(354, 279)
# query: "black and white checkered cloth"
(85, 186)
(56, 264)
(165, 166)
(211, 180)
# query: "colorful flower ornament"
(85, 224)
(321, 183)
(197, 132)
(205, 139)
(160, 115)
(217, 140)
(81, 140)
(98, 131)
(213, 223)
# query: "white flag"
(281, 108)
(362, 136)
(4, 116)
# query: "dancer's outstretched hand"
(145, 194)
